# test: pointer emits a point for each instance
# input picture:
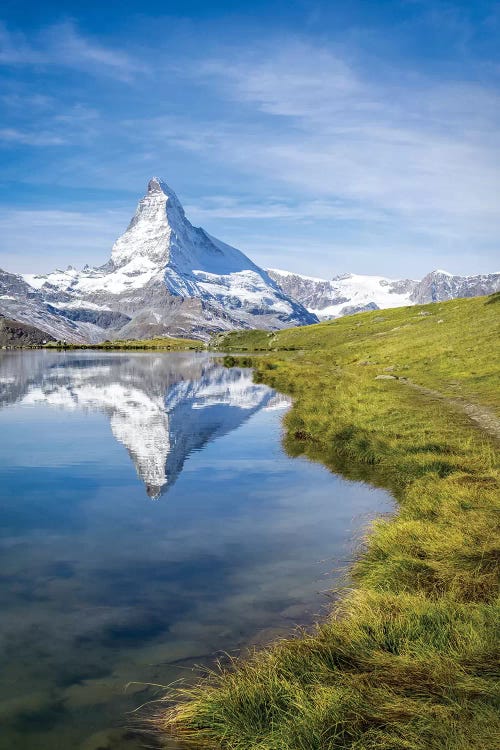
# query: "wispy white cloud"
(15, 136)
(30, 237)
(425, 152)
(289, 79)
(290, 144)
(20, 102)
(63, 45)
(15, 48)
(62, 125)
(228, 207)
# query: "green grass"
(407, 659)
(160, 342)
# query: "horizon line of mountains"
(167, 277)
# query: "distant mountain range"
(166, 276)
(352, 293)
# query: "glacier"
(352, 293)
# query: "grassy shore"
(160, 342)
(405, 399)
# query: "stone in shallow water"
(93, 692)
(295, 612)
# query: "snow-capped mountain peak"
(160, 233)
(158, 191)
(158, 215)
(168, 277)
(157, 185)
(165, 276)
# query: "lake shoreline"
(166, 343)
(405, 659)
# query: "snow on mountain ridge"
(350, 293)
(282, 272)
(166, 276)
(344, 294)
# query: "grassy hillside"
(405, 399)
(160, 342)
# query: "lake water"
(150, 519)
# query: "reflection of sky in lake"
(101, 586)
(160, 408)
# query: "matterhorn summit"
(148, 235)
(164, 277)
(168, 277)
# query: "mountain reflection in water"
(161, 408)
(104, 594)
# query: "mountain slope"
(166, 276)
(14, 333)
(345, 294)
(21, 303)
(352, 293)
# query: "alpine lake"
(151, 523)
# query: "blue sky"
(320, 137)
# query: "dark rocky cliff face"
(13, 333)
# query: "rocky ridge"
(352, 293)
